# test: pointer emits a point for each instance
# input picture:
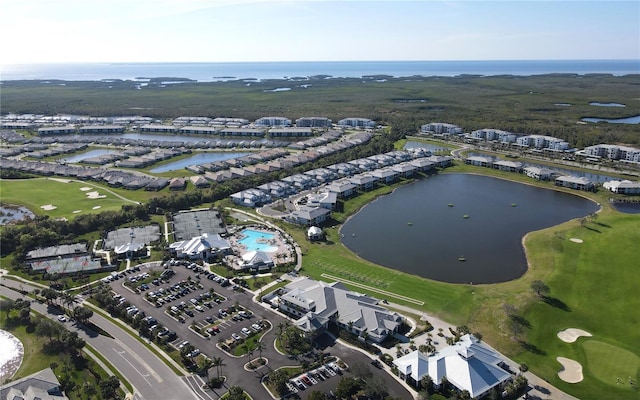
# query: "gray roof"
(334, 300)
(189, 224)
(56, 251)
(42, 385)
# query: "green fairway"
(593, 287)
(69, 197)
(608, 363)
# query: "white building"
(494, 134)
(440, 128)
(542, 142)
(272, 121)
(362, 123)
(201, 247)
(613, 152)
(622, 187)
(468, 365)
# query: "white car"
(62, 318)
(246, 331)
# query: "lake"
(421, 228)
(197, 159)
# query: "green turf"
(608, 363)
(62, 193)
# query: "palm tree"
(217, 362)
(204, 363)
(259, 347)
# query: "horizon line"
(318, 61)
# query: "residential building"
(57, 130)
(613, 152)
(622, 187)
(158, 128)
(42, 385)
(290, 132)
(90, 129)
(541, 174)
(574, 182)
(313, 122)
(308, 216)
(542, 142)
(361, 123)
(272, 121)
(439, 128)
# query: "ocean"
(211, 72)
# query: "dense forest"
(542, 104)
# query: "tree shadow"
(532, 348)
(557, 303)
(542, 389)
(592, 229)
(522, 321)
(602, 224)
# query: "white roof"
(469, 365)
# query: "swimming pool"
(258, 241)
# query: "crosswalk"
(198, 385)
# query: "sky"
(57, 31)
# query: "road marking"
(140, 360)
(121, 354)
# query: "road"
(150, 377)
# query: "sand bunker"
(85, 188)
(95, 195)
(570, 335)
(77, 211)
(96, 207)
(571, 371)
(48, 207)
(576, 240)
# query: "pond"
(431, 147)
(197, 159)
(88, 154)
(628, 120)
(11, 213)
(598, 104)
(425, 228)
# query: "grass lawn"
(65, 195)
(593, 287)
(80, 370)
(608, 363)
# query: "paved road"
(150, 377)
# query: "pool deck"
(282, 255)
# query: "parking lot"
(193, 307)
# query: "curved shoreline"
(524, 251)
